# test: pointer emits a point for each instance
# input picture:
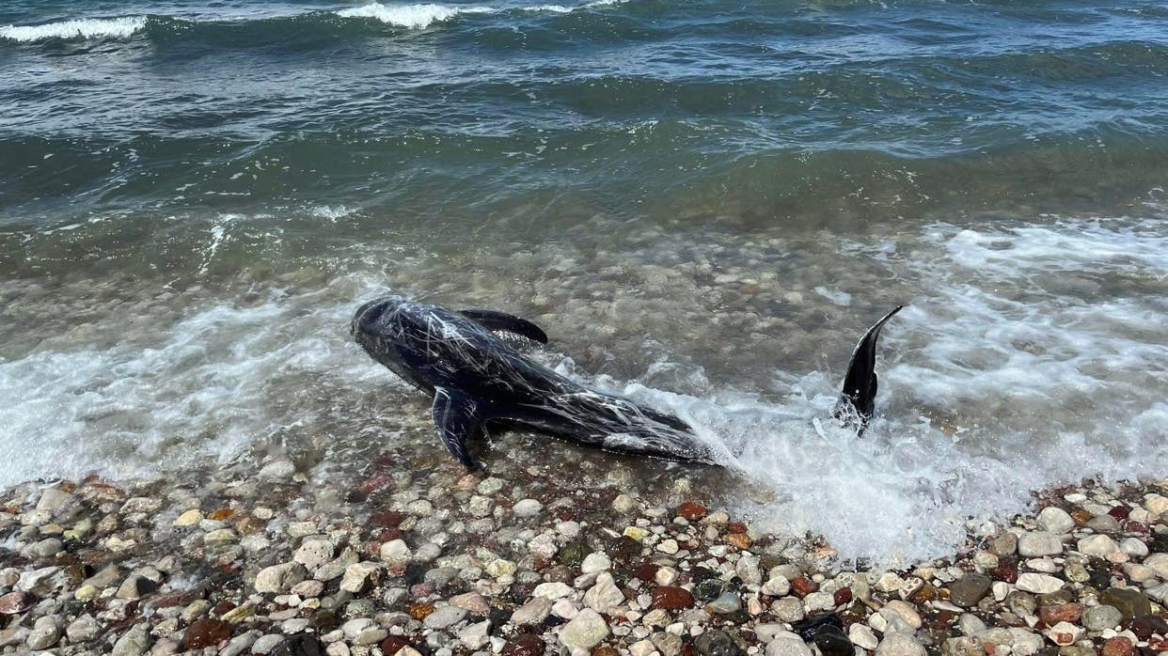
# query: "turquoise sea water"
(704, 203)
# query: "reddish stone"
(527, 644)
(647, 572)
(376, 482)
(989, 648)
(671, 598)
(223, 607)
(15, 602)
(691, 511)
(803, 586)
(1118, 646)
(1158, 644)
(1007, 572)
(1136, 527)
(688, 650)
(386, 519)
(740, 540)
(736, 527)
(604, 650)
(842, 596)
(1118, 512)
(206, 633)
(946, 616)
(221, 514)
(393, 645)
(1081, 517)
(1144, 627)
(1062, 613)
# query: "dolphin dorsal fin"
(858, 398)
(457, 418)
(495, 320)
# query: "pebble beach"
(256, 558)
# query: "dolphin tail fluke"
(857, 400)
(457, 418)
(495, 320)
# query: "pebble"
(526, 508)
(1055, 520)
(133, 642)
(1098, 545)
(1098, 618)
(969, 590)
(280, 578)
(1065, 633)
(1039, 543)
(1038, 583)
(533, 612)
(594, 562)
(900, 644)
(784, 646)
(585, 631)
(605, 595)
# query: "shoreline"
(259, 559)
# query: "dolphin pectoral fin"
(857, 400)
(494, 320)
(457, 419)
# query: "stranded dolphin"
(477, 379)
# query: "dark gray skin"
(477, 380)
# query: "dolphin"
(478, 380)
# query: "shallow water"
(703, 205)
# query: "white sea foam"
(1027, 356)
(89, 28)
(415, 16)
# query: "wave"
(411, 16)
(88, 28)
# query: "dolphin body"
(477, 379)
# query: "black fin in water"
(495, 320)
(457, 419)
(857, 400)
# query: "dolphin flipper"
(495, 320)
(857, 400)
(457, 418)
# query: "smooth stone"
(1038, 583)
(969, 590)
(533, 612)
(605, 595)
(862, 636)
(1064, 634)
(83, 629)
(585, 631)
(359, 576)
(444, 617)
(45, 633)
(1039, 543)
(1098, 618)
(266, 643)
(784, 646)
(1097, 545)
(552, 590)
(526, 508)
(133, 642)
(726, 604)
(1055, 520)
(900, 644)
(596, 562)
(716, 643)
(396, 553)
(1130, 603)
(277, 579)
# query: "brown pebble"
(740, 540)
(736, 527)
(1144, 627)
(647, 572)
(206, 633)
(803, 586)
(842, 596)
(420, 611)
(527, 644)
(223, 607)
(1062, 613)
(1118, 646)
(15, 602)
(1081, 517)
(1006, 571)
(221, 514)
(393, 645)
(672, 598)
(691, 511)
(604, 650)
(927, 593)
